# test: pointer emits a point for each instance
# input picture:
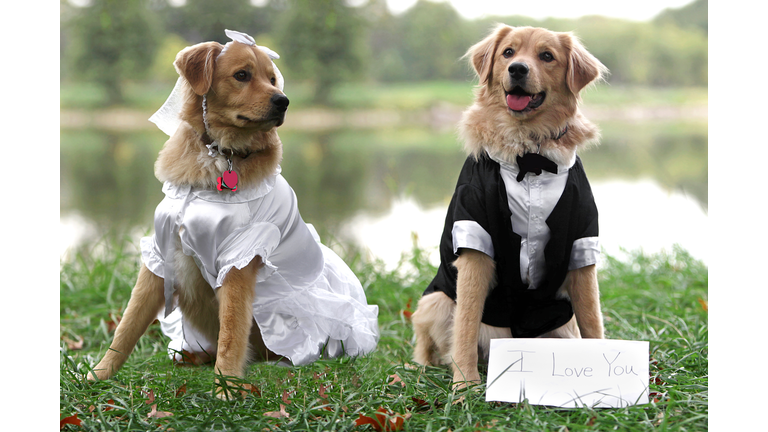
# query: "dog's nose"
(280, 101)
(518, 70)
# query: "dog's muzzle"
(279, 107)
(519, 100)
(279, 102)
(518, 71)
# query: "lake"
(385, 181)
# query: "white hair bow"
(167, 117)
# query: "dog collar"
(560, 135)
(538, 146)
(228, 178)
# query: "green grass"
(657, 298)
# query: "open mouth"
(519, 100)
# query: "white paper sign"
(568, 373)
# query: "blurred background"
(377, 88)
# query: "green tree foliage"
(321, 40)
(205, 20)
(693, 15)
(327, 42)
(425, 43)
(112, 40)
(643, 53)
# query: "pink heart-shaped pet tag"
(229, 179)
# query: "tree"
(692, 15)
(322, 40)
(113, 40)
(433, 39)
(205, 20)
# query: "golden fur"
(242, 115)
(451, 333)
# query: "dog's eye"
(546, 56)
(273, 81)
(509, 52)
(241, 75)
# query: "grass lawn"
(660, 298)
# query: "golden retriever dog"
(519, 247)
(236, 271)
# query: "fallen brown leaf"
(384, 420)
(322, 391)
(278, 414)
(396, 379)
(407, 312)
(112, 322)
(703, 304)
(249, 388)
(285, 397)
(74, 345)
(110, 402)
(73, 420)
(182, 390)
(158, 414)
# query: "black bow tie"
(534, 163)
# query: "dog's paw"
(228, 390)
(464, 380)
(461, 385)
(99, 373)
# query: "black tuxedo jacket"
(480, 196)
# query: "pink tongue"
(517, 103)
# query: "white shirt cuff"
(584, 253)
(470, 235)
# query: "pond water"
(378, 189)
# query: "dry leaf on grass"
(158, 414)
(278, 414)
(285, 397)
(396, 379)
(112, 322)
(250, 388)
(322, 390)
(407, 312)
(73, 420)
(73, 345)
(384, 420)
(703, 304)
(182, 390)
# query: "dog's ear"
(482, 54)
(583, 67)
(196, 64)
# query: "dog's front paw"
(100, 372)
(230, 390)
(462, 380)
(460, 385)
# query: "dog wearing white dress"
(232, 270)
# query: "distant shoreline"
(440, 116)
